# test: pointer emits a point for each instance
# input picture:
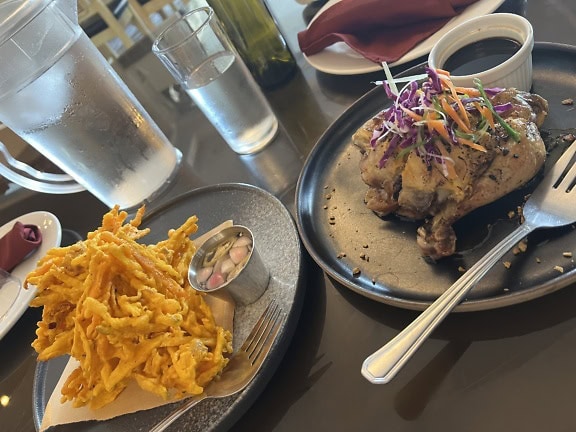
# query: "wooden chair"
(164, 9)
(106, 21)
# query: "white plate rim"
(340, 59)
(51, 230)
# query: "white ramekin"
(514, 72)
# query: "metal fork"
(242, 366)
(552, 204)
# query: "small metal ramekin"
(251, 281)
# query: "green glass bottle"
(255, 35)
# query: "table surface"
(500, 370)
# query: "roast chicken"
(436, 178)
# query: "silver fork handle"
(174, 415)
(384, 364)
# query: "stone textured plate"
(279, 246)
(332, 218)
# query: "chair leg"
(112, 22)
(142, 18)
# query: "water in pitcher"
(87, 123)
(219, 88)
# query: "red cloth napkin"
(380, 30)
(17, 244)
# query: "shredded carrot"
(472, 92)
(409, 112)
(471, 144)
(486, 113)
(439, 126)
(448, 83)
(445, 120)
(454, 115)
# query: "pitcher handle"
(37, 181)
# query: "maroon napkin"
(380, 30)
(17, 244)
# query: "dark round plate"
(333, 220)
(280, 248)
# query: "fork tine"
(560, 170)
(266, 341)
(567, 183)
(266, 345)
(259, 327)
(263, 335)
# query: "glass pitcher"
(60, 95)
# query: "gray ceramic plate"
(279, 246)
(332, 218)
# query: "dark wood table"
(508, 369)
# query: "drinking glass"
(61, 96)
(199, 54)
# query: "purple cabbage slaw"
(407, 134)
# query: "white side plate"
(340, 59)
(51, 230)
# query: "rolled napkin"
(17, 244)
(379, 30)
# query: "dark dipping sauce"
(481, 56)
